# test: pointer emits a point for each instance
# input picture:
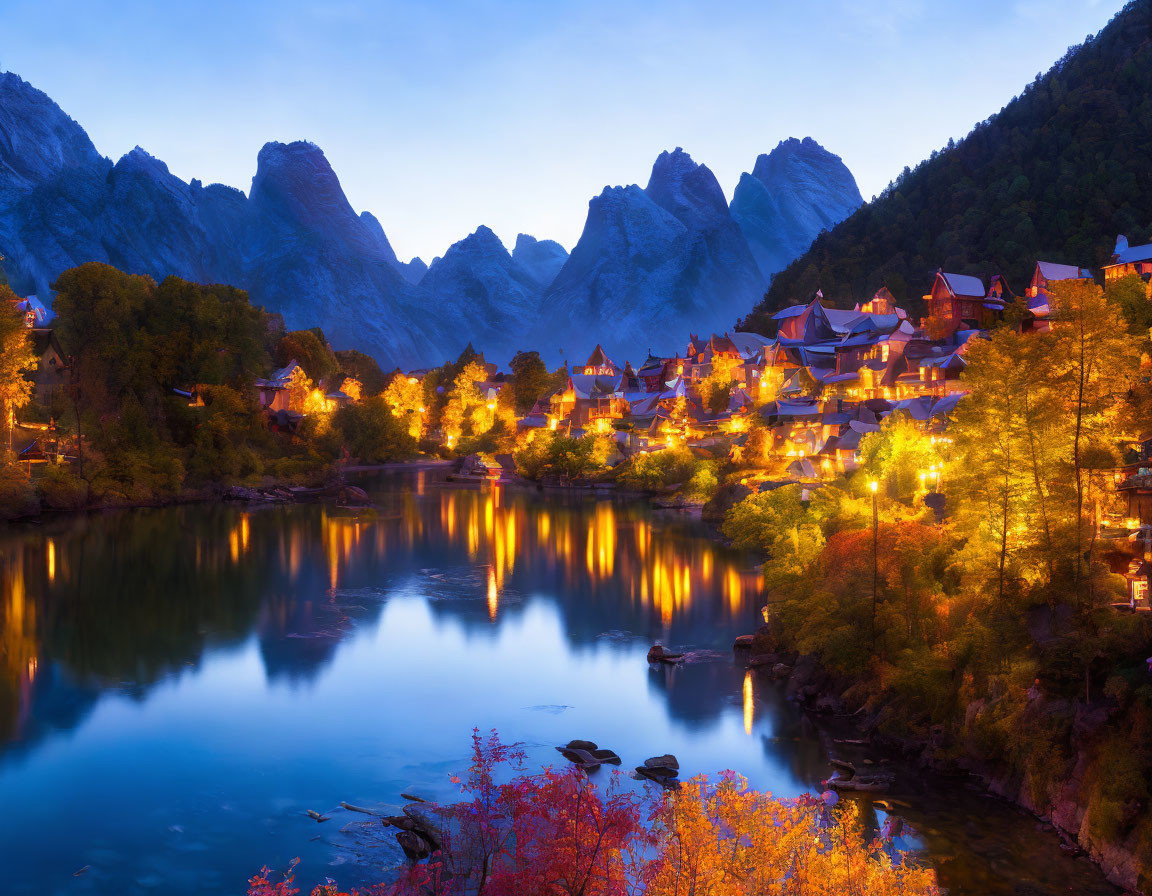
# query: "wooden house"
(49, 377)
(959, 301)
(1129, 260)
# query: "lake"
(180, 685)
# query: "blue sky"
(442, 115)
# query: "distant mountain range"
(1054, 176)
(651, 265)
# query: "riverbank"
(324, 483)
(827, 698)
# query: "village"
(792, 409)
(795, 408)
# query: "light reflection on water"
(180, 685)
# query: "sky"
(442, 115)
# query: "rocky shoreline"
(822, 695)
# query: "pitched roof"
(279, 378)
(963, 285)
(748, 344)
(1126, 254)
(598, 358)
(1049, 270)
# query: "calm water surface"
(181, 685)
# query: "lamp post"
(873, 486)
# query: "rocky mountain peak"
(296, 180)
(37, 140)
(685, 188)
(543, 259)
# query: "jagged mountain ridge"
(652, 263)
(792, 194)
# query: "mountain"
(653, 263)
(413, 271)
(294, 243)
(793, 193)
(542, 259)
(493, 295)
(1054, 175)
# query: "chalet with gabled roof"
(1129, 260)
(959, 301)
(1037, 294)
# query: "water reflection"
(131, 598)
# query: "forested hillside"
(1056, 174)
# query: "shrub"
(60, 488)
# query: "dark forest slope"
(1056, 174)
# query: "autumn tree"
(466, 412)
(1096, 362)
(405, 396)
(900, 456)
(16, 359)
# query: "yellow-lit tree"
(16, 358)
(467, 412)
(405, 396)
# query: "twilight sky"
(441, 115)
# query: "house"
(1039, 303)
(1127, 260)
(599, 364)
(957, 301)
(1137, 579)
(48, 379)
(35, 314)
(656, 372)
(591, 401)
(882, 302)
(285, 390)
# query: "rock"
(763, 659)
(843, 765)
(657, 654)
(665, 777)
(415, 847)
(743, 642)
(425, 821)
(666, 761)
(351, 494)
(582, 758)
(861, 783)
(581, 745)
(348, 807)
(606, 756)
(781, 671)
(399, 821)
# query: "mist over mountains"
(651, 265)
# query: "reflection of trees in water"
(129, 598)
